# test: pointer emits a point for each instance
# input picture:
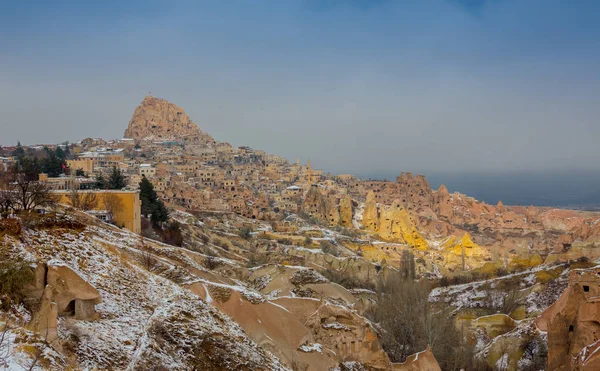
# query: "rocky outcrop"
(308, 332)
(573, 324)
(159, 119)
(59, 290)
(422, 361)
(442, 202)
(463, 253)
(71, 293)
(45, 320)
(346, 212)
(329, 208)
(392, 223)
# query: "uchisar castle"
(170, 250)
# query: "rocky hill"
(103, 298)
(95, 303)
(159, 119)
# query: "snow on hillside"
(146, 321)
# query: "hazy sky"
(368, 87)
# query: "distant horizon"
(574, 188)
(567, 188)
(358, 86)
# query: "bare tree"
(30, 194)
(4, 346)
(409, 323)
(148, 259)
(7, 201)
(83, 200)
(112, 203)
(7, 196)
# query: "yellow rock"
(392, 223)
(524, 262)
(454, 250)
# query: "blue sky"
(368, 87)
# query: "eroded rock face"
(463, 251)
(45, 320)
(72, 293)
(422, 361)
(392, 223)
(59, 290)
(346, 211)
(442, 202)
(573, 324)
(326, 208)
(159, 119)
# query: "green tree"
(148, 196)
(151, 204)
(53, 165)
(100, 182)
(19, 151)
(58, 152)
(116, 179)
(79, 172)
(30, 167)
(160, 213)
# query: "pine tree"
(19, 151)
(160, 214)
(100, 182)
(151, 205)
(116, 179)
(52, 165)
(148, 196)
(58, 152)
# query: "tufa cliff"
(159, 119)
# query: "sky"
(371, 88)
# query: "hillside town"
(319, 271)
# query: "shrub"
(256, 259)
(329, 248)
(212, 262)
(10, 226)
(245, 233)
(222, 243)
(347, 280)
(204, 238)
(14, 276)
(172, 234)
(350, 232)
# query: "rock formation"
(463, 251)
(71, 293)
(45, 320)
(59, 290)
(346, 212)
(158, 119)
(328, 207)
(442, 203)
(392, 223)
(422, 361)
(573, 324)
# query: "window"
(586, 288)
